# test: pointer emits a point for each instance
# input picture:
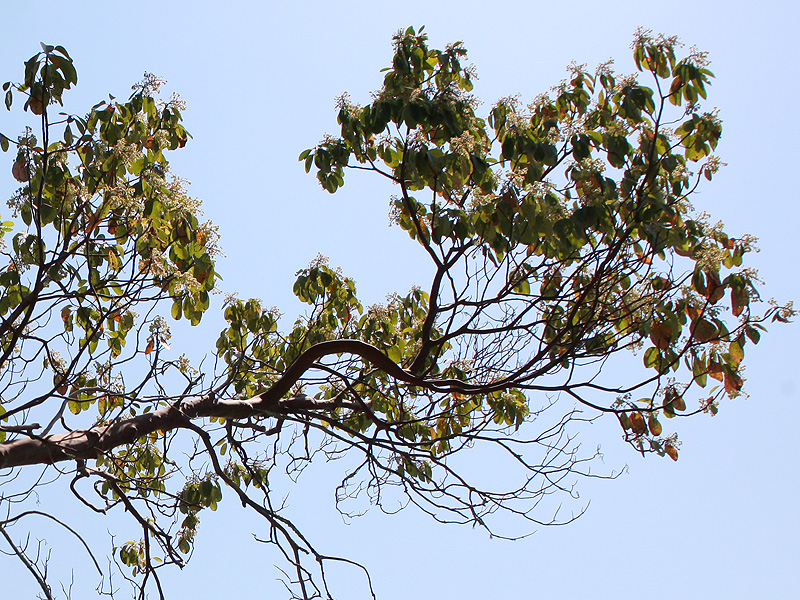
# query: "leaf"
(699, 371)
(715, 289)
(715, 371)
(150, 347)
(736, 352)
(733, 383)
(652, 358)
(661, 335)
(654, 425)
(753, 334)
(699, 283)
(36, 104)
(673, 401)
(113, 260)
(637, 423)
(20, 170)
(704, 331)
(395, 354)
(739, 300)
(624, 420)
(671, 451)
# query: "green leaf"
(652, 358)
(704, 331)
(395, 354)
(654, 425)
(753, 334)
(736, 352)
(624, 421)
(700, 371)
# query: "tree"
(561, 238)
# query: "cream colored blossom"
(185, 366)
(709, 256)
(128, 153)
(149, 85)
(605, 68)
(698, 58)
(464, 144)
(175, 101)
(713, 164)
(644, 37)
(159, 330)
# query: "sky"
(260, 79)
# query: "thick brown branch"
(91, 443)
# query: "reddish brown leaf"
(733, 383)
(36, 105)
(637, 423)
(671, 451)
(510, 197)
(20, 171)
(715, 289)
(93, 221)
(661, 335)
(715, 371)
(739, 299)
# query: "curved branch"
(91, 443)
(28, 564)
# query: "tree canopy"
(571, 279)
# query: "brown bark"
(90, 443)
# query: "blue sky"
(260, 79)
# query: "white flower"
(149, 85)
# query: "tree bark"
(90, 443)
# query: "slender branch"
(28, 564)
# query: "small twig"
(20, 428)
(28, 564)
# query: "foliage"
(562, 238)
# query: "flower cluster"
(149, 85)
(645, 37)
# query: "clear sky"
(260, 79)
